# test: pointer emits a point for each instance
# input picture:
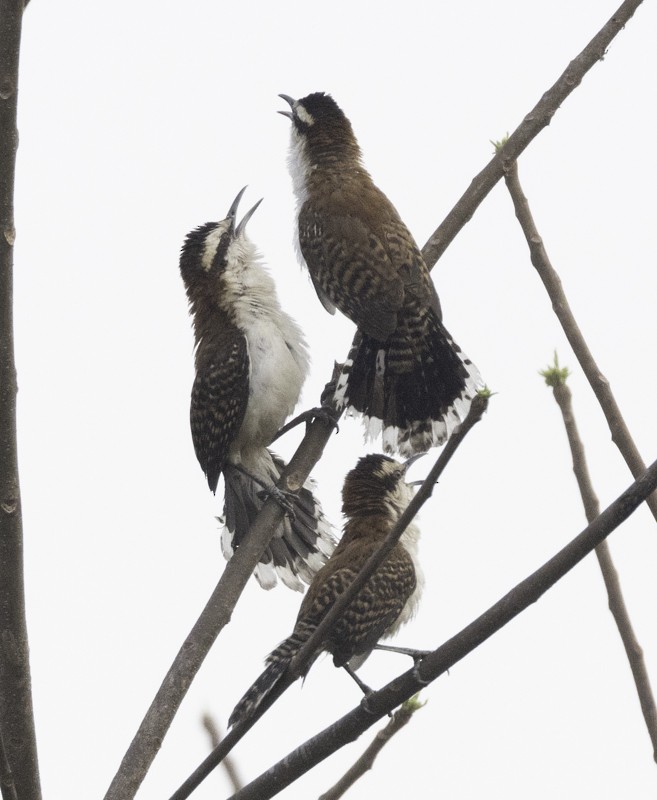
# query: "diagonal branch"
(147, 741)
(533, 123)
(307, 652)
(400, 719)
(619, 431)
(210, 725)
(214, 617)
(15, 683)
(378, 704)
(556, 378)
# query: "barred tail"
(299, 547)
(277, 662)
(415, 388)
(258, 691)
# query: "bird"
(405, 374)
(251, 361)
(374, 496)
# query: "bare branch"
(619, 432)
(210, 725)
(563, 396)
(375, 706)
(15, 684)
(214, 617)
(306, 653)
(537, 119)
(400, 718)
(158, 719)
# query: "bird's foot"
(326, 413)
(365, 689)
(329, 390)
(416, 655)
(284, 499)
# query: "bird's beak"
(232, 211)
(240, 228)
(410, 461)
(290, 101)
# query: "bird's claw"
(284, 499)
(326, 413)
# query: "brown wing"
(375, 607)
(219, 398)
(363, 257)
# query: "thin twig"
(619, 432)
(400, 718)
(210, 725)
(307, 652)
(375, 706)
(534, 122)
(562, 394)
(15, 683)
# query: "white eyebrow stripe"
(303, 115)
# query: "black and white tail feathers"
(299, 547)
(277, 662)
(414, 389)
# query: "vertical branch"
(620, 434)
(556, 378)
(16, 714)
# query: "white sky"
(139, 121)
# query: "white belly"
(274, 386)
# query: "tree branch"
(210, 725)
(214, 617)
(556, 378)
(158, 719)
(619, 432)
(400, 719)
(537, 119)
(307, 652)
(379, 703)
(15, 683)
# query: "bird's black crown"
(191, 255)
(322, 107)
(367, 484)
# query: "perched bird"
(374, 496)
(404, 374)
(251, 362)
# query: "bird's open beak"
(240, 228)
(410, 461)
(232, 211)
(290, 101)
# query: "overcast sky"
(141, 120)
